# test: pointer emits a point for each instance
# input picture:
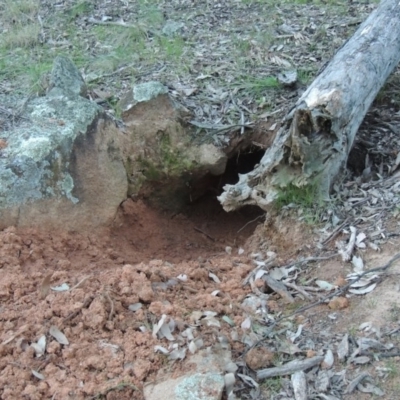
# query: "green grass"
(306, 199)
(79, 9)
(115, 46)
(353, 331)
(257, 85)
(21, 36)
(17, 10)
(172, 47)
(392, 369)
(20, 23)
(306, 75)
(305, 196)
(272, 385)
(394, 312)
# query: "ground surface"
(111, 348)
(222, 65)
(130, 264)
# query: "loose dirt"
(137, 262)
(111, 349)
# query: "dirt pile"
(111, 348)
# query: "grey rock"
(66, 76)
(207, 386)
(204, 381)
(172, 28)
(62, 167)
(143, 92)
(288, 78)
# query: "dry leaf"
(135, 306)
(37, 374)
(62, 288)
(214, 277)
(246, 324)
(328, 360)
(58, 335)
(45, 286)
(161, 349)
(40, 346)
(366, 290)
(325, 285)
(160, 323)
(343, 347)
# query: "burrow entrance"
(199, 228)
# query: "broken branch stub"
(313, 144)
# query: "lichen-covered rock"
(62, 165)
(66, 77)
(204, 378)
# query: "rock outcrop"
(61, 166)
(66, 164)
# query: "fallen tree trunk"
(313, 144)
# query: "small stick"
(247, 223)
(75, 313)
(353, 384)
(79, 283)
(206, 234)
(289, 368)
(346, 254)
(298, 289)
(110, 315)
(330, 296)
(335, 232)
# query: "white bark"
(314, 142)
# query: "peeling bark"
(313, 144)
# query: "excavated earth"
(141, 259)
(136, 261)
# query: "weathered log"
(313, 144)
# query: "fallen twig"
(76, 312)
(346, 254)
(383, 355)
(289, 368)
(79, 283)
(247, 223)
(342, 289)
(298, 289)
(204, 233)
(335, 232)
(337, 292)
(107, 296)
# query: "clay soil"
(111, 348)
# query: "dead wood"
(289, 368)
(313, 144)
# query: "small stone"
(338, 303)
(259, 357)
(340, 281)
(311, 353)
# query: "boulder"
(204, 378)
(64, 163)
(61, 165)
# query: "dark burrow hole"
(202, 197)
(356, 159)
(173, 221)
(211, 185)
